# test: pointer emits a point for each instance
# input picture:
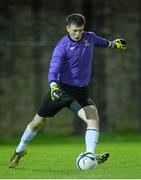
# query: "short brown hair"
(75, 18)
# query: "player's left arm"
(118, 44)
(99, 41)
(102, 42)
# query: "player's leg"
(32, 129)
(90, 115)
(30, 132)
(86, 109)
(48, 108)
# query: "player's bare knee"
(93, 114)
(89, 113)
(37, 123)
(92, 123)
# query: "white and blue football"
(86, 160)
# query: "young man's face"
(75, 32)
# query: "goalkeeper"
(68, 78)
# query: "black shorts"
(72, 97)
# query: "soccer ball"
(86, 160)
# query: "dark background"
(29, 30)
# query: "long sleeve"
(56, 61)
(100, 42)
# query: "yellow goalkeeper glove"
(55, 91)
(120, 44)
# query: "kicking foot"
(101, 158)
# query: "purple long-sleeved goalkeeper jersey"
(71, 61)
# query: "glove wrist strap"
(53, 84)
(111, 44)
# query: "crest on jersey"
(86, 42)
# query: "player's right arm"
(54, 70)
(55, 91)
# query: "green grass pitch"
(54, 158)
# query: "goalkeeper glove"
(55, 91)
(118, 43)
